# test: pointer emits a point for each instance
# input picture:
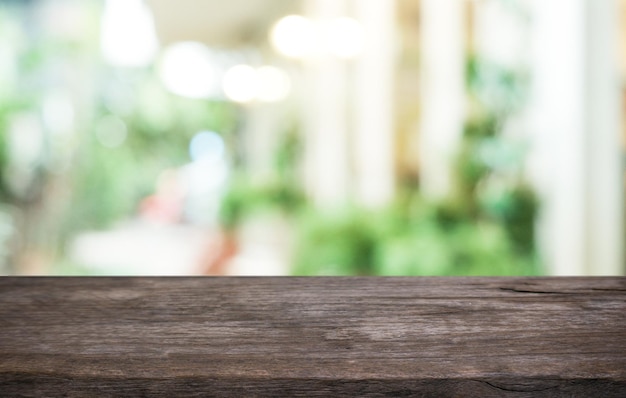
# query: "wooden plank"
(351, 336)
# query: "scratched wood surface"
(172, 337)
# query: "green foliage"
(102, 184)
(516, 209)
(402, 241)
(282, 193)
(336, 244)
(287, 156)
(484, 227)
(245, 199)
(109, 183)
(500, 91)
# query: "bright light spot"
(295, 36)
(241, 83)
(273, 84)
(128, 37)
(186, 69)
(111, 131)
(343, 37)
(206, 145)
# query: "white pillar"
(604, 125)
(576, 126)
(326, 137)
(443, 92)
(373, 103)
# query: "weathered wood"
(172, 337)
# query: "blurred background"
(313, 137)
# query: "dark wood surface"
(171, 337)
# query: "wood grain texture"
(172, 337)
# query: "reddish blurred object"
(166, 205)
(218, 254)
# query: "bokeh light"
(206, 145)
(312, 137)
(186, 69)
(295, 36)
(128, 36)
(240, 83)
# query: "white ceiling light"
(128, 37)
(241, 83)
(295, 36)
(186, 69)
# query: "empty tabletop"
(312, 336)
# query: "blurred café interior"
(312, 137)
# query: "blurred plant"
(156, 126)
(484, 227)
(408, 238)
(497, 188)
(98, 136)
(24, 147)
(282, 193)
(343, 243)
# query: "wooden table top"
(330, 336)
